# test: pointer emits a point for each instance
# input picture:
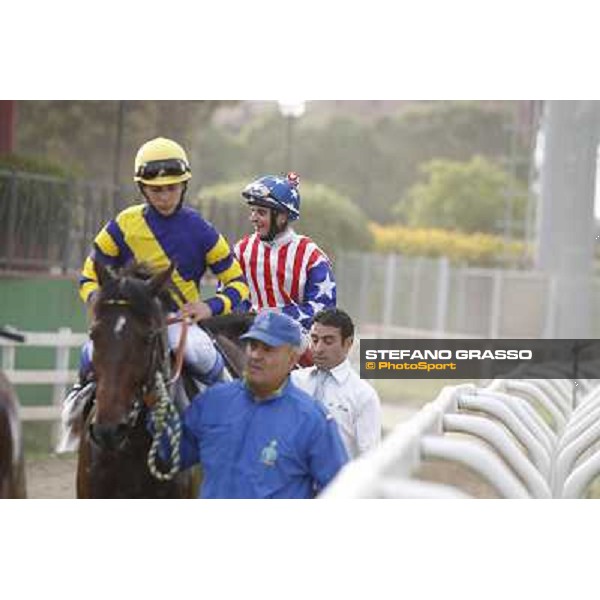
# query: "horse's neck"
(234, 355)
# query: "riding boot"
(216, 373)
(202, 358)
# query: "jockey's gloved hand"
(196, 311)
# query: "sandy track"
(51, 477)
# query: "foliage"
(83, 134)
(373, 162)
(30, 164)
(213, 156)
(472, 249)
(465, 196)
(329, 218)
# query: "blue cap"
(274, 329)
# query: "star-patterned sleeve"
(319, 293)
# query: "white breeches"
(200, 353)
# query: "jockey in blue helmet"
(285, 270)
(279, 194)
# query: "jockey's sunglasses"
(172, 167)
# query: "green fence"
(40, 304)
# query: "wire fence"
(47, 223)
(401, 296)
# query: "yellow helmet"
(161, 162)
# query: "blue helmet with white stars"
(280, 193)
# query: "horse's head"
(128, 332)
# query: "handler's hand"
(196, 311)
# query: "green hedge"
(477, 249)
(333, 221)
(31, 164)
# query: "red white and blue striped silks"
(290, 273)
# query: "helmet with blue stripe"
(279, 193)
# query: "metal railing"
(48, 223)
(526, 439)
(430, 295)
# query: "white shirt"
(352, 401)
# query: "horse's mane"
(226, 330)
(231, 326)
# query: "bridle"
(159, 362)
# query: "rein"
(185, 323)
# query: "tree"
(473, 196)
(331, 219)
(81, 135)
(372, 161)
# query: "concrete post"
(565, 241)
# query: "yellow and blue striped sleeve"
(88, 281)
(234, 289)
(108, 247)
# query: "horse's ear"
(103, 273)
(160, 280)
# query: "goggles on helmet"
(172, 167)
(258, 194)
(257, 191)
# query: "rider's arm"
(233, 288)
(319, 293)
(109, 248)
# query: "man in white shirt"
(352, 401)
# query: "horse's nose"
(109, 437)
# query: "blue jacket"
(286, 446)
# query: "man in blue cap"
(262, 437)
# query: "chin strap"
(274, 229)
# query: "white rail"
(523, 437)
(63, 341)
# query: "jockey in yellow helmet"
(160, 231)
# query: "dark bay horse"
(130, 353)
(12, 466)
